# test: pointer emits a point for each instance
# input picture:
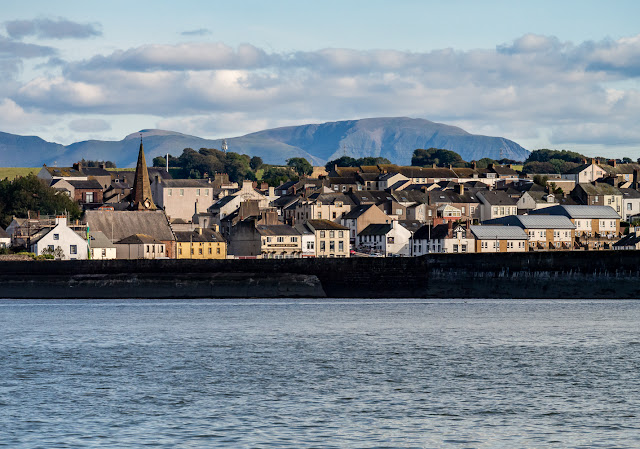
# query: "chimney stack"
(635, 178)
(612, 162)
(474, 164)
(433, 165)
(461, 189)
(450, 228)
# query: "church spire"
(141, 198)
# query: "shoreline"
(543, 275)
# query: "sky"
(545, 74)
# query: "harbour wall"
(604, 274)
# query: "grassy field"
(12, 172)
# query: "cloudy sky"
(547, 74)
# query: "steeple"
(141, 198)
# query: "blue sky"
(545, 74)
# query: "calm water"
(313, 373)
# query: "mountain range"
(394, 138)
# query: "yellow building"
(200, 244)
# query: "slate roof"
(576, 170)
(628, 240)
(434, 232)
(492, 232)
(91, 184)
(275, 230)
(95, 171)
(355, 212)
(600, 189)
(120, 224)
(410, 225)
(3, 234)
(99, 240)
(579, 211)
(196, 183)
(629, 193)
(498, 198)
(376, 229)
(138, 239)
(208, 235)
(66, 172)
(534, 221)
(326, 225)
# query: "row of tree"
(206, 162)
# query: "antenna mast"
(224, 145)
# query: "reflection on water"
(315, 373)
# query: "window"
(429, 212)
(218, 250)
(321, 234)
(336, 188)
(322, 246)
(104, 252)
(340, 234)
(148, 249)
(310, 245)
(294, 239)
(181, 192)
(209, 250)
(332, 234)
(455, 248)
(170, 192)
(268, 239)
(398, 211)
(340, 246)
(464, 248)
(334, 215)
(89, 197)
(390, 240)
(332, 246)
(197, 192)
(50, 247)
(179, 251)
(192, 251)
(280, 239)
(200, 251)
(502, 211)
(319, 215)
(495, 211)
(56, 236)
(464, 210)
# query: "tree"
(159, 161)
(29, 193)
(436, 156)
(344, 161)
(538, 167)
(545, 155)
(107, 164)
(274, 176)
(484, 162)
(255, 163)
(541, 180)
(370, 160)
(300, 165)
(627, 160)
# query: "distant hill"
(393, 138)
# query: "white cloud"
(535, 87)
(89, 125)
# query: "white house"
(443, 238)
(5, 239)
(101, 247)
(73, 245)
(386, 239)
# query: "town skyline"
(545, 76)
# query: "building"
(585, 173)
(323, 206)
(596, 226)
(630, 204)
(200, 244)
(499, 239)
(140, 246)
(331, 239)
(389, 239)
(443, 238)
(182, 198)
(61, 241)
(358, 218)
(5, 239)
(545, 232)
(117, 225)
(496, 204)
(598, 194)
(101, 247)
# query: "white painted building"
(72, 245)
(389, 239)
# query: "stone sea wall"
(526, 275)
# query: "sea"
(309, 373)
